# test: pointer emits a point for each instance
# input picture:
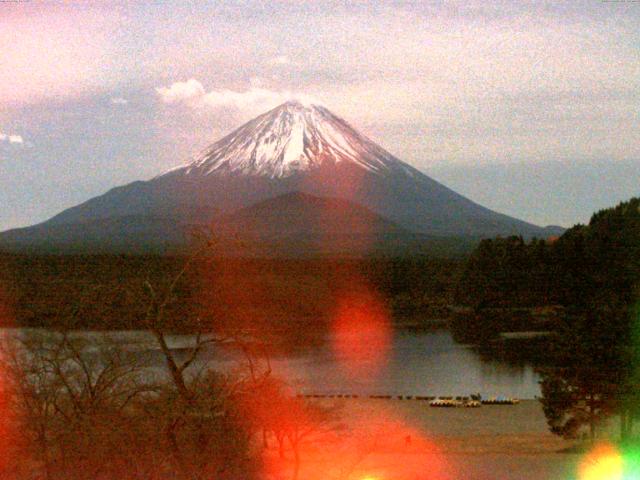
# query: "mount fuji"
(295, 174)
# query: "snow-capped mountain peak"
(286, 168)
(292, 137)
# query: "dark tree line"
(592, 273)
(507, 284)
(585, 264)
(508, 272)
(38, 289)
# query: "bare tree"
(292, 420)
(204, 430)
(71, 394)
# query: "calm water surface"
(415, 363)
(418, 363)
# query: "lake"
(417, 363)
(428, 363)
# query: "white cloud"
(255, 97)
(254, 100)
(119, 101)
(11, 138)
(181, 91)
(280, 60)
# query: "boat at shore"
(465, 402)
(500, 401)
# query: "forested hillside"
(591, 275)
(108, 291)
(589, 264)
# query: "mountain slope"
(298, 224)
(292, 148)
(126, 234)
(299, 215)
(291, 225)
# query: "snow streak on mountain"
(288, 139)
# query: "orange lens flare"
(376, 446)
(604, 462)
(361, 332)
(388, 448)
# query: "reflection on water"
(426, 363)
(420, 363)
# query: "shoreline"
(387, 439)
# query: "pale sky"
(530, 108)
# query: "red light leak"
(361, 332)
(7, 415)
(398, 451)
(375, 445)
(6, 430)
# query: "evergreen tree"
(590, 372)
(593, 271)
